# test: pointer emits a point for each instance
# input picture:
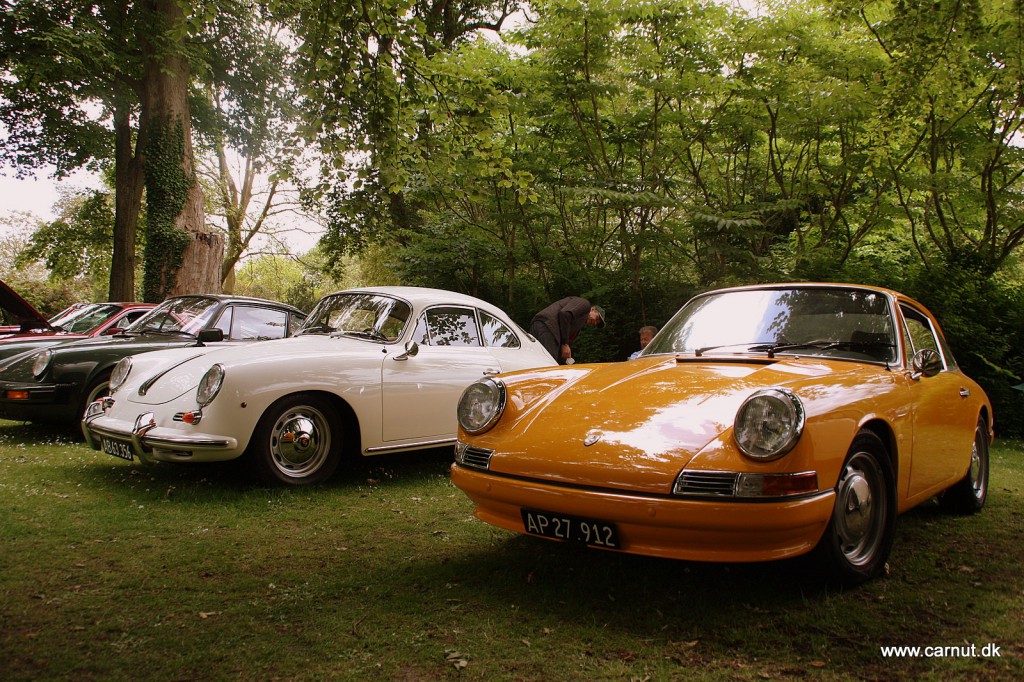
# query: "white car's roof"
(424, 296)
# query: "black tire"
(968, 495)
(97, 388)
(859, 537)
(298, 441)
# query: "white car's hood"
(171, 374)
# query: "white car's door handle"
(491, 372)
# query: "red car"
(22, 327)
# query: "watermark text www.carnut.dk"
(954, 651)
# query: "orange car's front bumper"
(675, 528)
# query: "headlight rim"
(795, 432)
(119, 374)
(208, 390)
(41, 362)
(501, 400)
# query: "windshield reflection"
(185, 315)
(375, 316)
(834, 322)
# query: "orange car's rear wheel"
(860, 533)
(968, 495)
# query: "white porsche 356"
(372, 371)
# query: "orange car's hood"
(635, 425)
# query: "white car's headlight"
(768, 424)
(41, 362)
(481, 405)
(120, 372)
(210, 385)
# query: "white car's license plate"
(571, 528)
(117, 448)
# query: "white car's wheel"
(297, 441)
(859, 536)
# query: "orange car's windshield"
(835, 322)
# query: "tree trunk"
(179, 250)
(129, 183)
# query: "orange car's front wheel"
(860, 533)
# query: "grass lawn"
(111, 571)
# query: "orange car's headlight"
(768, 424)
(481, 405)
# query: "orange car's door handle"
(965, 393)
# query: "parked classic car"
(761, 423)
(77, 322)
(373, 371)
(55, 384)
(20, 320)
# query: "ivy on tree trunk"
(167, 188)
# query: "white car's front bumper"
(142, 439)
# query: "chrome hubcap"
(860, 509)
(978, 473)
(300, 442)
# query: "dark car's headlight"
(120, 372)
(768, 424)
(210, 385)
(481, 405)
(41, 362)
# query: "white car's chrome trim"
(409, 446)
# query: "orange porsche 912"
(761, 423)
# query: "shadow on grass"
(234, 477)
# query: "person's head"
(646, 334)
(596, 316)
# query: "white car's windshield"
(370, 315)
(835, 322)
(184, 315)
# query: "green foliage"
(982, 316)
(167, 187)
(280, 278)
(30, 277)
(76, 246)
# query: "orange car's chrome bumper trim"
(689, 529)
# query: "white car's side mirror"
(411, 349)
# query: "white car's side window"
(496, 333)
(447, 326)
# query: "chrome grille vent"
(477, 458)
(707, 483)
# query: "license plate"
(117, 448)
(571, 528)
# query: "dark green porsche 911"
(57, 383)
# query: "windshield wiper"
(773, 348)
(369, 332)
(318, 329)
(760, 345)
(164, 332)
(860, 346)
